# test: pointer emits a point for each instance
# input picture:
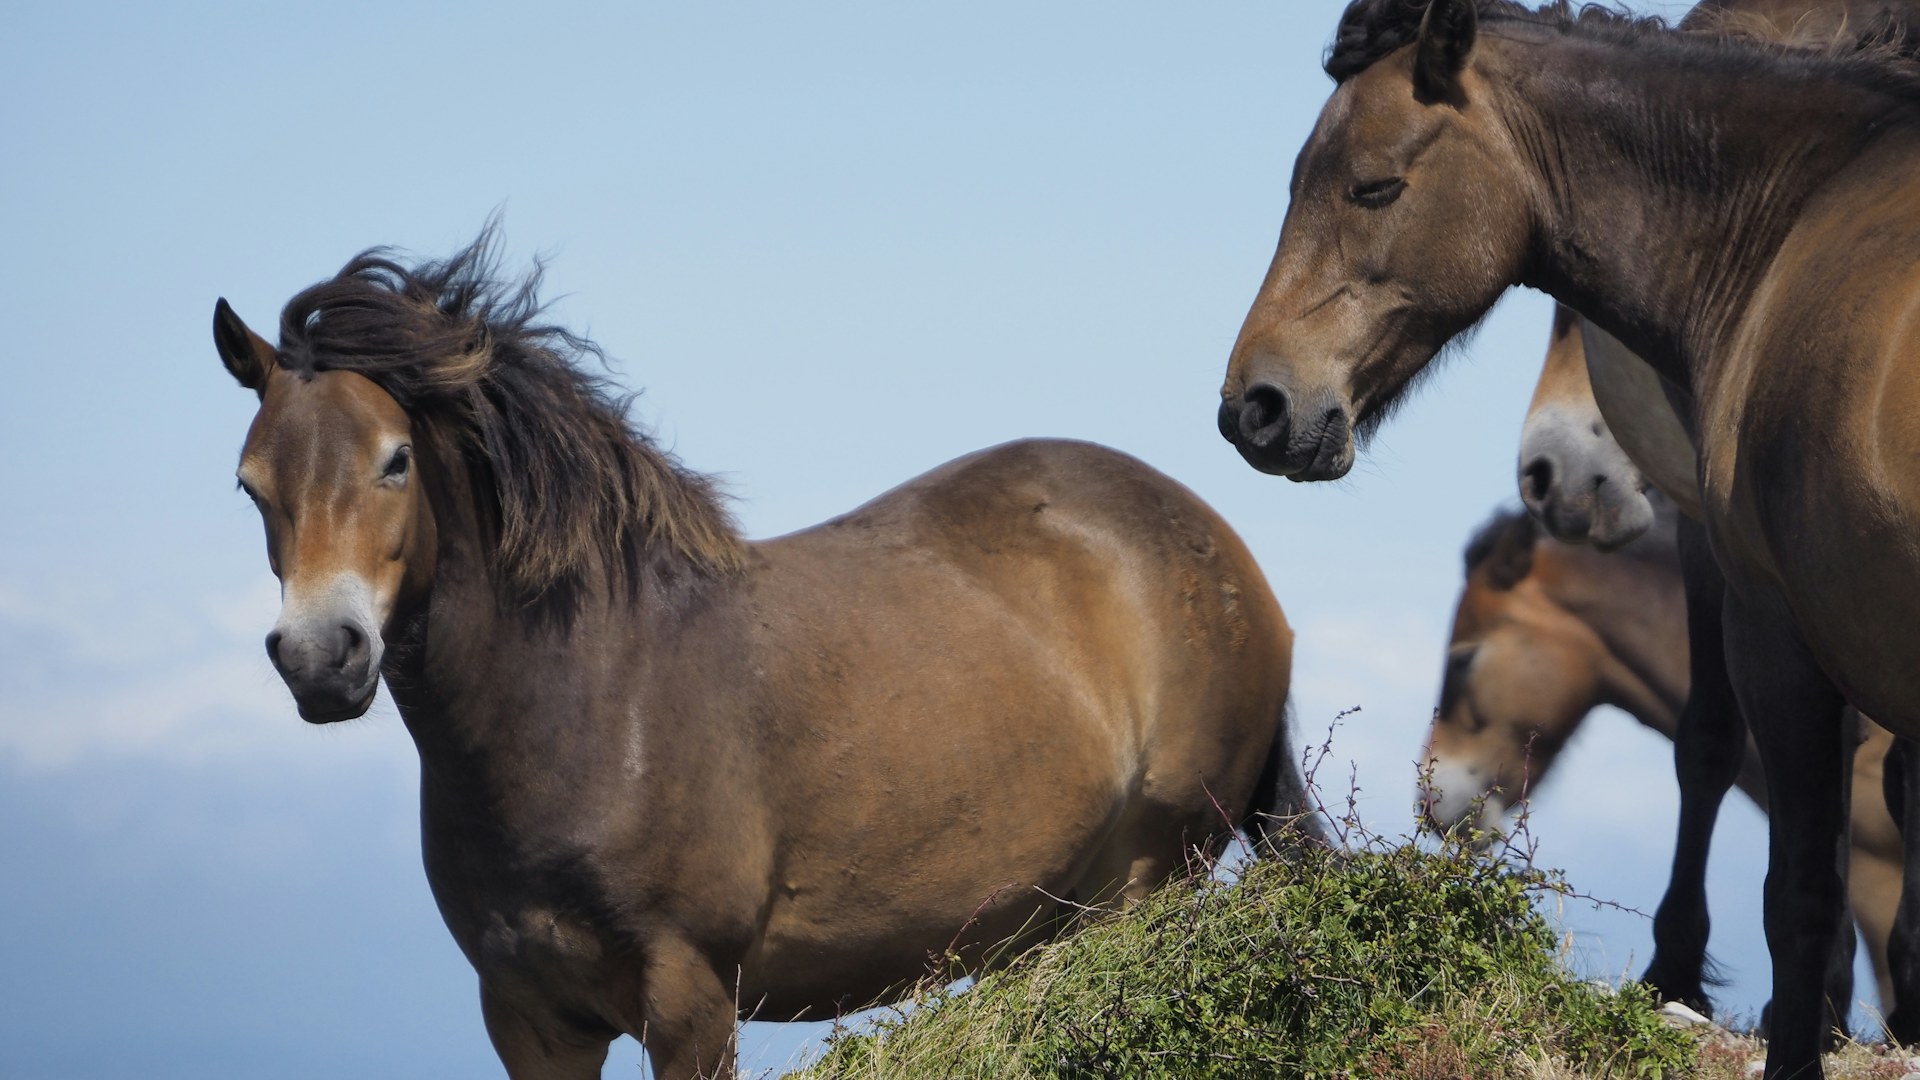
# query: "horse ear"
(1512, 557)
(247, 355)
(1446, 36)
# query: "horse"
(1603, 426)
(1707, 201)
(1543, 633)
(671, 777)
(1603, 429)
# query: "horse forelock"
(463, 350)
(1881, 50)
(1505, 541)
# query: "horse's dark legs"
(531, 1050)
(1795, 713)
(1846, 936)
(1709, 746)
(1901, 782)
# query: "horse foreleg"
(690, 1015)
(1795, 712)
(540, 1051)
(1901, 782)
(1709, 746)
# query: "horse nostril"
(273, 647)
(1229, 420)
(1263, 417)
(354, 644)
(1539, 478)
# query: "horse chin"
(1332, 457)
(1620, 521)
(1328, 457)
(328, 708)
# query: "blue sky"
(835, 245)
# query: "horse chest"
(536, 944)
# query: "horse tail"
(1281, 814)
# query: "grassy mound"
(1386, 962)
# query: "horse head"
(1374, 274)
(330, 463)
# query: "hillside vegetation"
(1386, 961)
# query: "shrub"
(1387, 961)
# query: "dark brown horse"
(1586, 486)
(670, 778)
(1742, 215)
(1544, 632)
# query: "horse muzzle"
(1264, 423)
(1456, 794)
(1607, 508)
(331, 666)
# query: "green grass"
(1388, 961)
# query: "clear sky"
(835, 244)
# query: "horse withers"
(1706, 202)
(670, 777)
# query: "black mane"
(463, 351)
(1882, 53)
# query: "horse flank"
(462, 349)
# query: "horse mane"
(462, 350)
(1504, 545)
(1882, 54)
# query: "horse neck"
(503, 697)
(1667, 183)
(1631, 603)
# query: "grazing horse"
(1545, 632)
(1741, 215)
(669, 777)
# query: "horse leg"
(1709, 746)
(1795, 713)
(1873, 892)
(1846, 936)
(537, 1051)
(690, 1015)
(1901, 781)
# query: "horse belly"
(1831, 520)
(945, 875)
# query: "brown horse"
(670, 777)
(1544, 632)
(1602, 431)
(1603, 426)
(1741, 215)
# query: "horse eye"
(397, 466)
(1374, 194)
(247, 490)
